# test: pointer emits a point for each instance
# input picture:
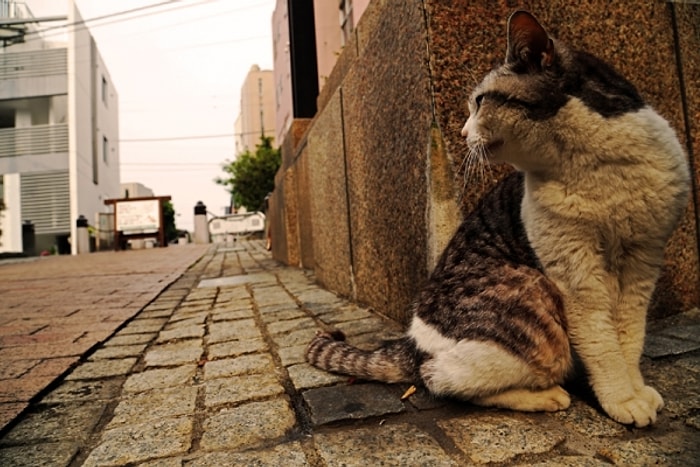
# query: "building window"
(260, 106)
(104, 90)
(346, 25)
(95, 161)
(105, 150)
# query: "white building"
(135, 190)
(59, 132)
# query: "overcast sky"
(178, 69)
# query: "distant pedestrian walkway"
(212, 373)
(55, 309)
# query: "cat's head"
(523, 111)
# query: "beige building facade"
(257, 110)
(335, 23)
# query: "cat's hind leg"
(487, 374)
(528, 400)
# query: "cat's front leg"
(637, 282)
(594, 335)
(590, 304)
(571, 256)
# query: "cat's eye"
(478, 100)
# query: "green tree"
(169, 221)
(251, 176)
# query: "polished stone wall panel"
(328, 199)
(303, 203)
(276, 218)
(283, 212)
(387, 115)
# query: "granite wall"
(372, 188)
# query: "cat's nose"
(465, 132)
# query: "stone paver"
(153, 439)
(241, 389)
(235, 348)
(160, 378)
(57, 422)
(288, 455)
(330, 404)
(247, 425)
(388, 444)
(176, 353)
(246, 364)
(211, 372)
(153, 405)
(493, 438)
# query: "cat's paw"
(556, 398)
(652, 397)
(633, 410)
(527, 400)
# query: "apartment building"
(257, 111)
(334, 23)
(59, 132)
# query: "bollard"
(201, 226)
(28, 238)
(83, 245)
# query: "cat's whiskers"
(476, 165)
(466, 168)
(487, 165)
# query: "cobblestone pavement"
(211, 373)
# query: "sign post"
(138, 218)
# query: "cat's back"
(492, 233)
(489, 287)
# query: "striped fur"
(395, 362)
(565, 252)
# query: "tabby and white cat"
(564, 252)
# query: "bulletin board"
(138, 218)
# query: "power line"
(203, 164)
(210, 44)
(166, 169)
(181, 138)
(83, 23)
(173, 138)
(199, 18)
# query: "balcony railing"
(34, 63)
(34, 140)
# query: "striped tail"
(394, 362)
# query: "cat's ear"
(529, 45)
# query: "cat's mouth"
(494, 146)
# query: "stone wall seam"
(347, 194)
